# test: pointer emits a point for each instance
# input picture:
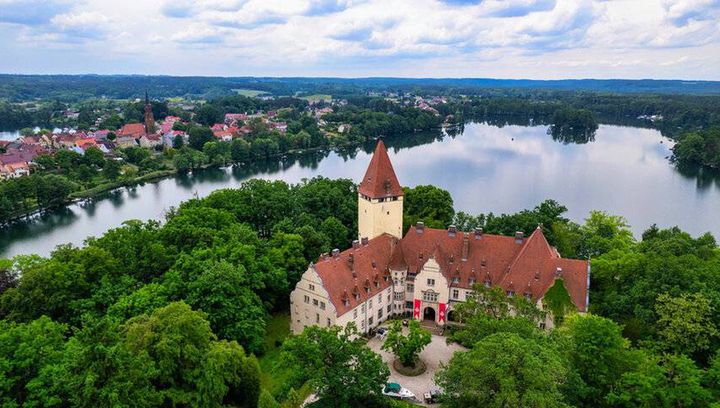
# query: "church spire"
(149, 118)
(380, 180)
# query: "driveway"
(433, 355)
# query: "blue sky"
(537, 39)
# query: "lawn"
(273, 378)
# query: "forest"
(177, 313)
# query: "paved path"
(437, 352)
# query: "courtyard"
(435, 354)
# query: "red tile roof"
(370, 264)
(380, 179)
(132, 129)
(527, 266)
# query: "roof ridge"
(538, 230)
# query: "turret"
(380, 198)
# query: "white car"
(394, 390)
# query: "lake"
(625, 171)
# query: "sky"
(535, 39)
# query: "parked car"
(394, 390)
(381, 332)
(432, 396)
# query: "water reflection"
(486, 168)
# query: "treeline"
(79, 87)
(56, 178)
(699, 148)
(161, 315)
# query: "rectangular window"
(322, 305)
(430, 296)
(431, 282)
(456, 294)
(388, 309)
(362, 308)
(307, 299)
(456, 280)
(410, 287)
(409, 304)
(380, 299)
(315, 302)
(380, 314)
(370, 320)
(388, 297)
(354, 313)
(370, 304)
(312, 287)
(317, 317)
(328, 322)
(399, 296)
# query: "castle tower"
(149, 118)
(380, 198)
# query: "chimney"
(465, 248)
(478, 233)
(558, 271)
(452, 230)
(351, 261)
(335, 253)
(519, 235)
(365, 240)
(355, 243)
(419, 227)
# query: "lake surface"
(625, 171)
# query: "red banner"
(441, 317)
(416, 310)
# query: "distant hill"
(78, 87)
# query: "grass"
(317, 97)
(273, 378)
(252, 93)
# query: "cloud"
(508, 38)
(199, 34)
(31, 12)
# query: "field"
(252, 93)
(317, 97)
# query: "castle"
(425, 273)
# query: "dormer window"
(471, 281)
(528, 295)
(487, 283)
(510, 293)
(456, 279)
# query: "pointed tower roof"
(380, 179)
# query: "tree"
(207, 115)
(94, 157)
(489, 311)
(8, 276)
(339, 366)
(234, 311)
(602, 233)
(336, 232)
(504, 370)
(178, 141)
(192, 367)
(685, 323)
(407, 348)
(198, 136)
(24, 350)
(267, 400)
(111, 170)
(598, 353)
(429, 204)
(52, 190)
(239, 150)
(667, 381)
(218, 153)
